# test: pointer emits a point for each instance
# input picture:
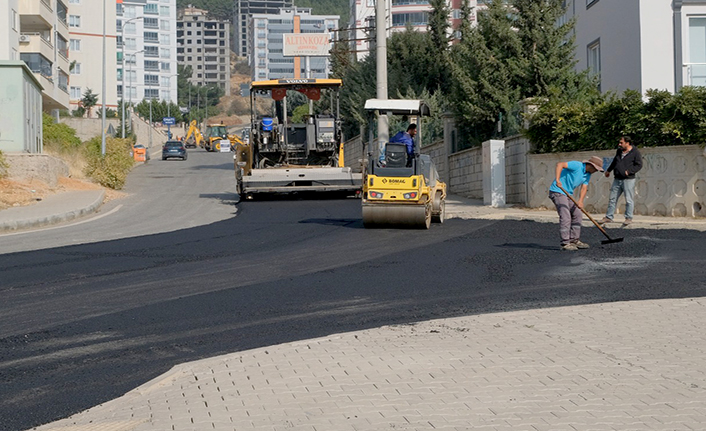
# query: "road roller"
(399, 190)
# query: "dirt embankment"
(16, 193)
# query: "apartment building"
(402, 13)
(147, 50)
(10, 31)
(267, 58)
(43, 44)
(85, 53)
(641, 44)
(204, 44)
(243, 10)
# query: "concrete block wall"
(516, 151)
(353, 156)
(43, 167)
(437, 151)
(466, 173)
(672, 181)
(88, 128)
(142, 132)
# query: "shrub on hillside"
(112, 169)
(3, 166)
(58, 137)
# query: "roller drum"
(381, 215)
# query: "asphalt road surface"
(179, 271)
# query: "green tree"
(439, 40)
(517, 51)
(89, 100)
(484, 67)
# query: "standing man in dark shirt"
(626, 163)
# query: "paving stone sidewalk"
(614, 366)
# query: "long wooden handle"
(584, 211)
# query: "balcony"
(36, 43)
(36, 14)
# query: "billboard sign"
(168, 121)
(306, 44)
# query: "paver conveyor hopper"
(400, 191)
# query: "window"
(164, 53)
(75, 93)
(151, 8)
(74, 1)
(151, 36)
(37, 63)
(129, 11)
(151, 79)
(164, 81)
(74, 21)
(164, 94)
(151, 51)
(76, 69)
(151, 65)
(164, 25)
(151, 22)
(416, 18)
(15, 20)
(75, 45)
(594, 60)
(130, 43)
(166, 67)
(152, 93)
(165, 39)
(696, 68)
(130, 28)
(164, 10)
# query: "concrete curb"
(53, 216)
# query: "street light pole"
(149, 84)
(103, 90)
(134, 56)
(122, 49)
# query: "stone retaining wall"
(672, 181)
(43, 167)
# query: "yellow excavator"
(194, 138)
(397, 191)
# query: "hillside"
(222, 9)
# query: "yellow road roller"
(399, 190)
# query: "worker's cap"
(596, 161)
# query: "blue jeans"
(619, 187)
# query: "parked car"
(174, 149)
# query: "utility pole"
(381, 56)
(103, 90)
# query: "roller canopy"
(398, 107)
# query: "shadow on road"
(351, 223)
(532, 246)
(225, 198)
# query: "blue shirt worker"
(569, 176)
(407, 138)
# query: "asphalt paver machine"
(281, 157)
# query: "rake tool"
(607, 241)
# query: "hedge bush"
(58, 137)
(661, 119)
(112, 169)
(3, 166)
